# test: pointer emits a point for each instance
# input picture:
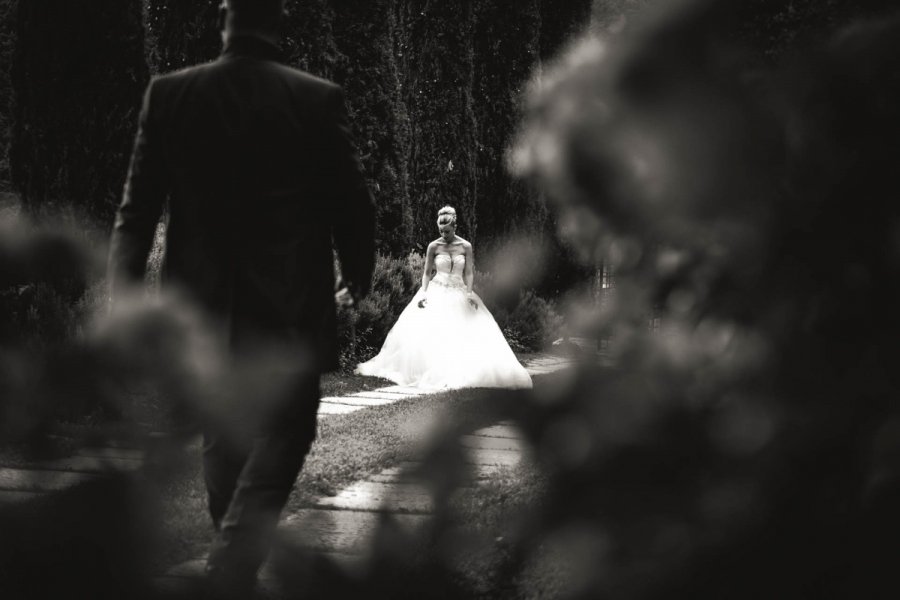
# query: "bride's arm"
(469, 272)
(429, 266)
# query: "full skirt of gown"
(448, 344)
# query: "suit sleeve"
(353, 214)
(142, 203)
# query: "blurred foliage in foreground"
(750, 447)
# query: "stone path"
(47, 476)
(19, 484)
(341, 526)
(395, 393)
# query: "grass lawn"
(342, 384)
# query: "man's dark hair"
(255, 14)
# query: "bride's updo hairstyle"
(446, 216)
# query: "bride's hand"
(422, 302)
(343, 298)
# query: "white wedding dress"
(448, 343)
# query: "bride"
(445, 337)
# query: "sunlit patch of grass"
(343, 384)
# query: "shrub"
(47, 297)
(532, 324)
(362, 330)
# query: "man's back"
(259, 169)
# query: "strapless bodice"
(445, 264)
(449, 269)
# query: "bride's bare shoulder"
(466, 244)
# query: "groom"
(255, 164)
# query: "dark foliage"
(7, 48)
(78, 76)
(777, 27)
(362, 330)
(748, 449)
(364, 34)
(49, 291)
(507, 46)
(308, 40)
(438, 92)
(180, 34)
(433, 90)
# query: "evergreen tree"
(364, 33)
(438, 82)
(7, 47)
(78, 75)
(507, 45)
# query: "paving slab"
(543, 360)
(393, 477)
(542, 370)
(112, 453)
(363, 400)
(403, 390)
(133, 443)
(332, 408)
(408, 472)
(379, 395)
(479, 456)
(405, 467)
(345, 531)
(28, 480)
(376, 496)
(481, 472)
(492, 443)
(500, 431)
(88, 464)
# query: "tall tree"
(308, 42)
(364, 33)
(78, 75)
(7, 47)
(561, 20)
(507, 49)
(438, 77)
(180, 33)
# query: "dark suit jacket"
(257, 166)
